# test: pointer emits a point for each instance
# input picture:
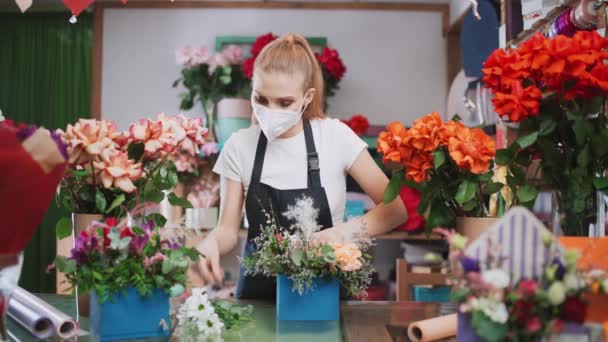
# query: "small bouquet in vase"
(309, 273)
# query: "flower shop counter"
(360, 321)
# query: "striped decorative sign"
(519, 235)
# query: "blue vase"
(320, 303)
(225, 127)
(130, 316)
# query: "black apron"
(263, 198)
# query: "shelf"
(537, 26)
(401, 235)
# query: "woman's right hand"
(209, 265)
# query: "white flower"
(605, 285)
(496, 311)
(497, 278)
(557, 293)
(573, 282)
(198, 319)
(305, 216)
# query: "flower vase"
(127, 316)
(64, 246)
(320, 303)
(473, 227)
(173, 213)
(202, 218)
(588, 220)
(232, 115)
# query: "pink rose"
(534, 325)
(183, 56)
(87, 139)
(157, 136)
(233, 54)
(115, 169)
(193, 134)
(199, 56)
(210, 148)
(528, 287)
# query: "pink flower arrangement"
(189, 57)
(88, 138)
(115, 169)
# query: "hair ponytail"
(290, 54)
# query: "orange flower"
(87, 139)
(424, 134)
(472, 149)
(448, 130)
(503, 68)
(116, 169)
(417, 167)
(519, 104)
(391, 143)
(347, 256)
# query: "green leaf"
(297, 256)
(393, 188)
(584, 156)
(492, 188)
(328, 253)
(582, 131)
(63, 228)
(527, 140)
(487, 329)
(469, 206)
(546, 127)
(180, 202)
(527, 193)
(163, 172)
(156, 196)
(225, 79)
(100, 201)
(227, 70)
(504, 156)
(116, 202)
(138, 231)
(466, 192)
(441, 215)
(158, 219)
(518, 174)
(167, 267)
(97, 275)
(486, 177)
(79, 173)
(136, 150)
(600, 183)
(439, 158)
(173, 178)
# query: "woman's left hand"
(329, 235)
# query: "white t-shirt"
(285, 165)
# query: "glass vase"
(590, 222)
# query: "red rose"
(534, 325)
(558, 326)
(574, 310)
(261, 42)
(279, 237)
(248, 67)
(411, 199)
(521, 310)
(331, 61)
(358, 123)
(106, 239)
(112, 221)
(528, 287)
(84, 234)
(127, 232)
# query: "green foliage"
(394, 187)
(233, 316)
(487, 329)
(63, 228)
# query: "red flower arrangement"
(358, 123)
(329, 59)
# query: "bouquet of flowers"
(449, 163)
(110, 256)
(358, 123)
(331, 64)
(501, 309)
(111, 172)
(210, 77)
(293, 253)
(201, 319)
(555, 90)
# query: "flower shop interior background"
(118, 62)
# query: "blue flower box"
(432, 295)
(130, 316)
(321, 303)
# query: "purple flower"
(139, 242)
(60, 145)
(470, 264)
(148, 226)
(79, 256)
(26, 132)
(561, 270)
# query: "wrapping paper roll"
(64, 325)
(35, 322)
(433, 329)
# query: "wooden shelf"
(537, 26)
(401, 235)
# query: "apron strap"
(258, 163)
(314, 178)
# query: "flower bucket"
(225, 127)
(473, 227)
(232, 115)
(129, 316)
(321, 303)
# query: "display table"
(360, 321)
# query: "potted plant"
(555, 90)
(309, 274)
(217, 82)
(111, 172)
(130, 273)
(494, 307)
(448, 163)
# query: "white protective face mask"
(275, 122)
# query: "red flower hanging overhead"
(77, 6)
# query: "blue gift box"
(129, 315)
(431, 295)
(320, 303)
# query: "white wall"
(457, 8)
(396, 60)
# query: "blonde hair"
(292, 54)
